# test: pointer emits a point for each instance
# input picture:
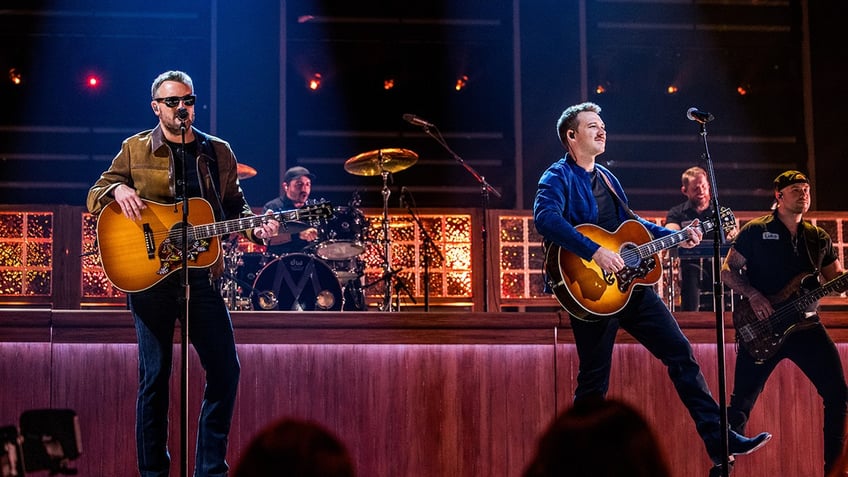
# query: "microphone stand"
(184, 468)
(428, 247)
(718, 304)
(485, 190)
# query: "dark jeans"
(814, 353)
(156, 312)
(648, 320)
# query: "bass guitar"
(137, 254)
(587, 292)
(763, 337)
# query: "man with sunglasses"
(150, 166)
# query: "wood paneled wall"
(420, 395)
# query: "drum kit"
(329, 274)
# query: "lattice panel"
(26, 254)
(94, 282)
(521, 258)
(449, 268)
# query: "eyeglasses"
(174, 101)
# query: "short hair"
(295, 448)
(173, 75)
(690, 174)
(568, 119)
(578, 443)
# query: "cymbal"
(373, 163)
(245, 171)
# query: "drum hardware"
(383, 162)
(240, 270)
(245, 172)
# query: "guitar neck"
(658, 245)
(804, 301)
(240, 224)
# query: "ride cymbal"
(373, 163)
(245, 171)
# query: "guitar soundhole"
(631, 260)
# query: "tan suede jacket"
(145, 163)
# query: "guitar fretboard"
(237, 225)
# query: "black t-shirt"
(192, 181)
(773, 259)
(608, 218)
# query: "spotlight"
(388, 83)
(314, 82)
(92, 81)
(671, 89)
(742, 90)
(15, 76)
(600, 89)
(461, 82)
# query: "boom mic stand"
(485, 190)
(182, 115)
(429, 246)
(718, 288)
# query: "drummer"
(296, 186)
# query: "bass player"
(766, 264)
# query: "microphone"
(402, 195)
(416, 121)
(182, 114)
(699, 116)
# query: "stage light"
(315, 82)
(461, 82)
(93, 81)
(742, 90)
(388, 83)
(600, 89)
(671, 89)
(15, 76)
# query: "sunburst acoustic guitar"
(137, 254)
(589, 293)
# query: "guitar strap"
(615, 194)
(207, 152)
(811, 243)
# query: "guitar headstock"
(727, 219)
(318, 211)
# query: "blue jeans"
(648, 320)
(156, 312)
(816, 356)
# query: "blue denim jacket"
(564, 200)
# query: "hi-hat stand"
(383, 162)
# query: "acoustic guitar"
(137, 254)
(763, 337)
(589, 293)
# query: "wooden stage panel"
(412, 394)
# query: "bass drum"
(297, 282)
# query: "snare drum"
(341, 238)
(297, 282)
